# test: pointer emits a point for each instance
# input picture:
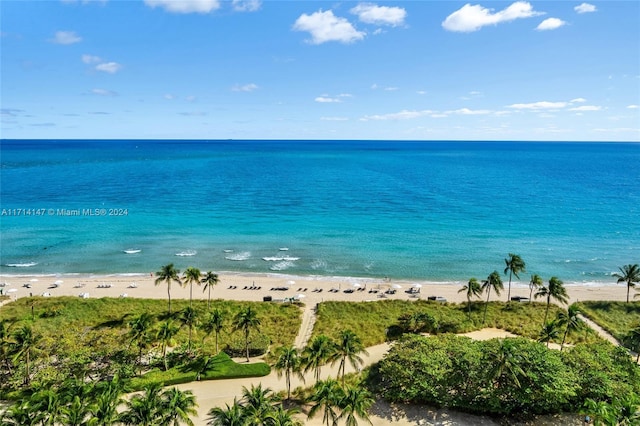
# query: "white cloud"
(246, 5)
(585, 8)
(334, 119)
(421, 92)
(185, 6)
(325, 27)
(467, 111)
(577, 100)
(540, 105)
(471, 18)
(169, 97)
(90, 59)
(632, 106)
(84, 1)
(325, 99)
(402, 115)
(65, 37)
(110, 67)
(245, 88)
(104, 92)
(586, 108)
(550, 24)
(370, 13)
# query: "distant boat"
(283, 248)
(187, 253)
(132, 251)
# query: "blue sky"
(412, 70)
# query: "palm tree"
(326, 396)
(246, 320)
(191, 275)
(168, 274)
(629, 274)
(179, 406)
(280, 416)
(23, 346)
(104, 410)
(289, 362)
(506, 364)
(144, 409)
(556, 291)
(188, 317)
(514, 265)
(229, 416)
(316, 354)
(494, 282)
(549, 332)
(473, 289)
(214, 322)
(209, 280)
(165, 335)
(355, 402)
(348, 348)
(76, 413)
(139, 328)
(535, 283)
(570, 320)
(257, 403)
(632, 339)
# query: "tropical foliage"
(501, 376)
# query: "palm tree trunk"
(189, 343)
(469, 306)
(564, 337)
(209, 298)
(217, 352)
(546, 312)
(628, 287)
(190, 294)
(509, 291)
(169, 296)
(486, 305)
(288, 380)
(246, 340)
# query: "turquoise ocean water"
(432, 211)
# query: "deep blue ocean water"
(434, 211)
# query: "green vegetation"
(505, 377)
(618, 318)
(377, 322)
(45, 341)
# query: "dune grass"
(618, 318)
(372, 320)
(52, 316)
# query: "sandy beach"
(254, 287)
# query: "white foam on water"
(132, 251)
(282, 266)
(187, 253)
(238, 257)
(21, 265)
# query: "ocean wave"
(132, 251)
(318, 264)
(186, 253)
(238, 257)
(280, 258)
(21, 265)
(282, 266)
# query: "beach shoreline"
(256, 286)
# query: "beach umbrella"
(301, 296)
(291, 282)
(34, 280)
(58, 282)
(357, 285)
(417, 285)
(11, 290)
(397, 286)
